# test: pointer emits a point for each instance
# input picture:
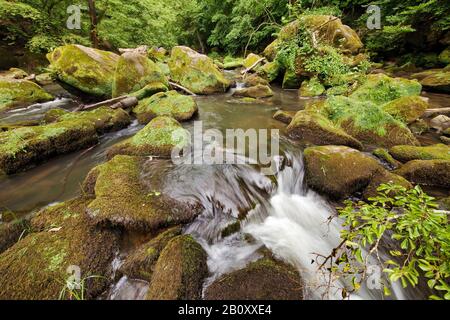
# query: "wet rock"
(316, 129)
(196, 71)
(35, 268)
(180, 271)
(141, 263)
(121, 199)
(254, 80)
(311, 88)
(258, 91)
(265, 279)
(87, 69)
(133, 72)
(170, 103)
(384, 177)
(104, 119)
(158, 138)
(25, 147)
(338, 171)
(384, 155)
(407, 109)
(427, 172)
(433, 152)
(440, 123)
(250, 60)
(19, 93)
(284, 116)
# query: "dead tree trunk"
(93, 17)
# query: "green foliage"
(420, 232)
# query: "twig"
(176, 85)
(252, 66)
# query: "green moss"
(196, 72)
(444, 57)
(230, 229)
(384, 155)
(433, 152)
(232, 63)
(291, 80)
(133, 72)
(406, 109)
(270, 71)
(158, 138)
(170, 103)
(149, 90)
(17, 93)
(438, 81)
(87, 69)
(250, 60)
(311, 88)
(180, 271)
(427, 172)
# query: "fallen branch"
(252, 66)
(101, 103)
(177, 86)
(430, 112)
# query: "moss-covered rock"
(158, 138)
(25, 147)
(45, 79)
(141, 263)
(437, 82)
(196, 71)
(316, 129)
(157, 54)
(284, 116)
(250, 60)
(433, 152)
(368, 122)
(381, 89)
(87, 69)
(17, 93)
(338, 171)
(133, 72)
(444, 57)
(384, 177)
(180, 271)
(121, 199)
(270, 71)
(104, 119)
(36, 267)
(291, 80)
(311, 88)
(232, 63)
(264, 279)
(258, 91)
(427, 172)
(13, 73)
(270, 52)
(385, 156)
(169, 103)
(11, 232)
(407, 109)
(254, 80)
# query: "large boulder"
(171, 103)
(250, 60)
(37, 267)
(433, 152)
(338, 171)
(141, 263)
(180, 271)
(18, 93)
(258, 91)
(317, 129)
(407, 109)
(121, 199)
(264, 279)
(158, 138)
(427, 172)
(196, 71)
(436, 80)
(134, 71)
(87, 69)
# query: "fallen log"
(177, 86)
(126, 103)
(101, 103)
(244, 72)
(430, 112)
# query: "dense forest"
(338, 185)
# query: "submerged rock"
(87, 69)
(141, 263)
(316, 129)
(407, 109)
(180, 271)
(36, 267)
(18, 93)
(265, 279)
(258, 91)
(338, 171)
(133, 72)
(427, 172)
(196, 71)
(170, 103)
(122, 200)
(158, 138)
(433, 152)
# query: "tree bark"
(93, 16)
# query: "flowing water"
(277, 212)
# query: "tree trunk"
(93, 16)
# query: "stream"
(280, 212)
